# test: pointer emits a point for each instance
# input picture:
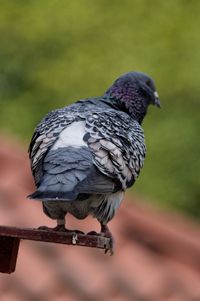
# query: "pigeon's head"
(134, 92)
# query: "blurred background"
(55, 52)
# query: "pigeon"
(84, 156)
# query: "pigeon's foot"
(105, 232)
(93, 233)
(45, 228)
(60, 228)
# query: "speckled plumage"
(88, 173)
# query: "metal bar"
(94, 241)
(10, 239)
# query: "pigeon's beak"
(157, 100)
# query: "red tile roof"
(157, 255)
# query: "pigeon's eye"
(148, 83)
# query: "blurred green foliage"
(54, 52)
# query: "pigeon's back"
(60, 128)
(83, 149)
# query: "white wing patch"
(71, 136)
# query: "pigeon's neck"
(132, 108)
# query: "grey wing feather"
(45, 135)
(117, 144)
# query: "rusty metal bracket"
(10, 241)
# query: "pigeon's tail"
(63, 169)
(52, 195)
